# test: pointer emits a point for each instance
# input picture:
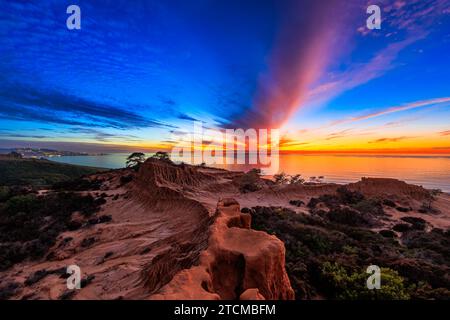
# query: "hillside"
(37, 172)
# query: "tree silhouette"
(281, 178)
(135, 159)
(296, 179)
(161, 155)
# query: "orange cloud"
(396, 139)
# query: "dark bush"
(99, 201)
(100, 219)
(36, 277)
(4, 193)
(389, 203)
(104, 218)
(401, 227)
(369, 206)
(331, 201)
(74, 225)
(297, 203)
(388, 233)
(435, 240)
(249, 182)
(348, 216)
(126, 179)
(349, 197)
(84, 282)
(313, 242)
(417, 223)
(87, 242)
(30, 224)
(67, 295)
(313, 203)
(8, 290)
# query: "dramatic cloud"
(184, 116)
(25, 103)
(103, 136)
(409, 21)
(140, 70)
(18, 135)
(306, 42)
(381, 63)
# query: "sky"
(138, 73)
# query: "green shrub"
(328, 259)
(250, 181)
(352, 285)
(30, 224)
(4, 193)
(36, 172)
(369, 206)
(26, 203)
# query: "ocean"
(430, 171)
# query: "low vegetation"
(30, 223)
(37, 172)
(283, 178)
(250, 181)
(328, 252)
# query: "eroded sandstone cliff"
(167, 236)
(239, 263)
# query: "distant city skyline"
(138, 73)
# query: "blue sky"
(138, 71)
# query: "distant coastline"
(46, 153)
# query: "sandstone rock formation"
(389, 187)
(238, 263)
(166, 238)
